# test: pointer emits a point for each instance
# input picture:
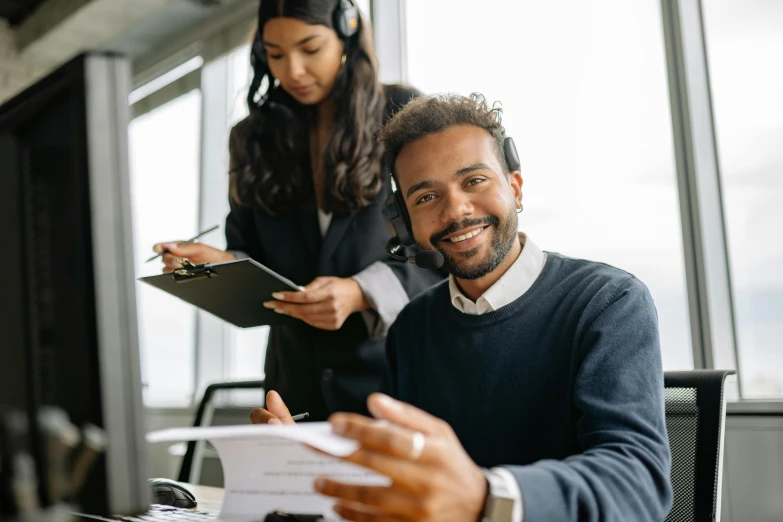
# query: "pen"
(192, 239)
(299, 417)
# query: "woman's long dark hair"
(274, 172)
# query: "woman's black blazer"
(319, 371)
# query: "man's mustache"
(459, 225)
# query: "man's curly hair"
(427, 115)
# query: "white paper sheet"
(267, 468)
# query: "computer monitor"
(67, 306)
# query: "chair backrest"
(695, 419)
(190, 469)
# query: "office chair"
(190, 470)
(695, 419)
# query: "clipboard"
(234, 291)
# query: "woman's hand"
(325, 303)
(276, 414)
(194, 252)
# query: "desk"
(209, 499)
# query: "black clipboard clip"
(190, 272)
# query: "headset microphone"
(423, 258)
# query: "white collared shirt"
(517, 280)
(512, 285)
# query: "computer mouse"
(171, 493)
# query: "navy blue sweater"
(563, 387)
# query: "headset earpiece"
(346, 19)
(397, 219)
(258, 49)
(512, 156)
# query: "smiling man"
(529, 385)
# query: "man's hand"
(276, 414)
(441, 483)
(325, 303)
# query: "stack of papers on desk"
(268, 468)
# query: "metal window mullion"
(703, 227)
(166, 94)
(145, 71)
(210, 343)
(389, 26)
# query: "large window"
(745, 46)
(179, 177)
(584, 90)
(164, 166)
(583, 84)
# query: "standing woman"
(306, 190)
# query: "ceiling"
(15, 11)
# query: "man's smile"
(465, 239)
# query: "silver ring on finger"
(417, 447)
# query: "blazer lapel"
(337, 228)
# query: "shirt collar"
(517, 280)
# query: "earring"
(342, 60)
(520, 207)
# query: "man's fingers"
(359, 513)
(410, 476)
(277, 407)
(262, 416)
(384, 499)
(384, 407)
(383, 438)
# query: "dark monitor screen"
(67, 306)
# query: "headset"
(345, 20)
(398, 221)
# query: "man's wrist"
(486, 498)
(499, 503)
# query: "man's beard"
(501, 245)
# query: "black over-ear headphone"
(398, 221)
(345, 20)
